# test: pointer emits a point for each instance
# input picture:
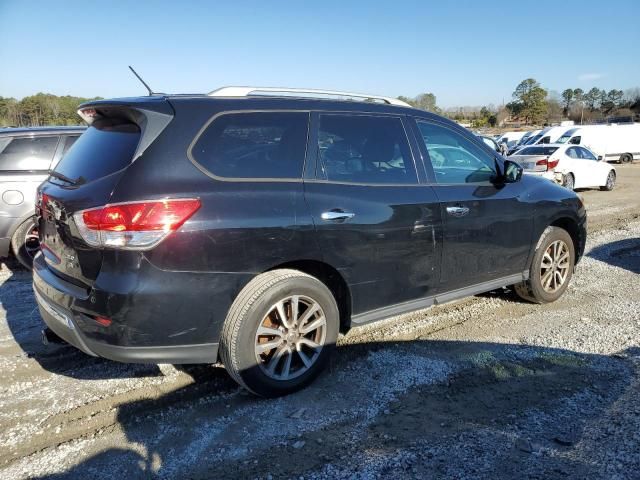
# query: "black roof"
(11, 131)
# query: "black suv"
(250, 226)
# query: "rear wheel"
(626, 158)
(25, 242)
(551, 268)
(279, 332)
(611, 182)
(569, 181)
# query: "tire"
(257, 306)
(569, 181)
(533, 289)
(611, 182)
(625, 158)
(25, 243)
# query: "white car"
(573, 166)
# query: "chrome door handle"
(457, 211)
(335, 215)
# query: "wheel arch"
(333, 280)
(570, 225)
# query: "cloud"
(590, 76)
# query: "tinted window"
(104, 148)
(586, 154)
(575, 140)
(28, 153)
(537, 150)
(68, 141)
(454, 158)
(364, 149)
(254, 145)
(572, 153)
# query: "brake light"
(548, 163)
(134, 225)
(542, 163)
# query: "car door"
(376, 221)
(595, 175)
(574, 164)
(487, 225)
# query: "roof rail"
(300, 92)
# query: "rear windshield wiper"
(78, 181)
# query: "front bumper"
(55, 298)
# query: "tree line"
(534, 105)
(40, 110)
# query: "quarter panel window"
(28, 153)
(454, 158)
(254, 145)
(364, 149)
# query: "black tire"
(24, 248)
(569, 181)
(611, 182)
(532, 290)
(251, 309)
(626, 158)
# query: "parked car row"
(26, 157)
(250, 225)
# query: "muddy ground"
(489, 387)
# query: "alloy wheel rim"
(554, 267)
(290, 337)
(569, 183)
(610, 180)
(32, 242)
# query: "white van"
(619, 143)
(510, 138)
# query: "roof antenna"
(141, 80)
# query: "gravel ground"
(489, 387)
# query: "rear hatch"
(118, 133)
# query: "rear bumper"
(56, 297)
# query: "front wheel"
(25, 242)
(611, 182)
(551, 267)
(279, 332)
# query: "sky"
(465, 52)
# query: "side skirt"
(419, 304)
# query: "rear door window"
(104, 148)
(28, 153)
(254, 145)
(364, 149)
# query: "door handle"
(457, 211)
(336, 215)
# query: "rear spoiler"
(151, 114)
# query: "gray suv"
(26, 156)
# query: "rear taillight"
(134, 225)
(542, 163)
(548, 163)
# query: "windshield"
(533, 139)
(537, 150)
(563, 139)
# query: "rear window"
(104, 148)
(27, 153)
(537, 150)
(254, 145)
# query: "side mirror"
(512, 172)
(599, 158)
